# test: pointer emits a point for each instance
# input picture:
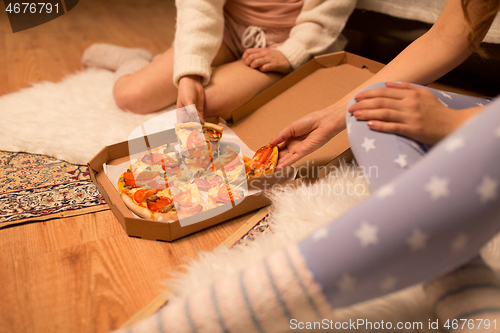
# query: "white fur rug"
(71, 120)
(292, 218)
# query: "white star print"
(349, 130)
(320, 234)
(347, 283)
(385, 191)
(488, 189)
(388, 283)
(437, 187)
(460, 242)
(443, 102)
(480, 104)
(497, 132)
(454, 144)
(368, 144)
(367, 234)
(401, 160)
(446, 95)
(417, 240)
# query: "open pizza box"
(319, 83)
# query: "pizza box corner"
(317, 84)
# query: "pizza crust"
(138, 210)
(146, 213)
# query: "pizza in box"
(203, 173)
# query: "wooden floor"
(84, 274)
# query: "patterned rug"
(37, 188)
(261, 227)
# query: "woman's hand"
(191, 92)
(266, 60)
(309, 133)
(410, 111)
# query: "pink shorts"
(237, 41)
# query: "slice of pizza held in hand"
(262, 163)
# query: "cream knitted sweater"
(200, 26)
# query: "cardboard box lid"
(319, 83)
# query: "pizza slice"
(230, 165)
(191, 139)
(149, 203)
(263, 162)
(187, 200)
(223, 194)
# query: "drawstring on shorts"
(253, 37)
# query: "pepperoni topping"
(195, 144)
(146, 175)
(216, 181)
(142, 194)
(226, 195)
(184, 199)
(157, 205)
(201, 183)
(191, 210)
(129, 179)
(261, 156)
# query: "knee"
(129, 97)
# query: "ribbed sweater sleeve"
(198, 36)
(317, 28)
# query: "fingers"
(388, 127)
(260, 62)
(251, 55)
(267, 67)
(249, 52)
(400, 85)
(375, 103)
(380, 114)
(392, 93)
(286, 158)
(282, 136)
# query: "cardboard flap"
(321, 88)
(99, 159)
(331, 60)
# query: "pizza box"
(317, 84)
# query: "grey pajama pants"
(431, 209)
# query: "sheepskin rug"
(71, 120)
(292, 218)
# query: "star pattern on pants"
(454, 144)
(417, 240)
(367, 234)
(389, 283)
(487, 190)
(442, 102)
(459, 243)
(445, 94)
(437, 187)
(349, 128)
(401, 160)
(320, 234)
(385, 191)
(346, 283)
(368, 144)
